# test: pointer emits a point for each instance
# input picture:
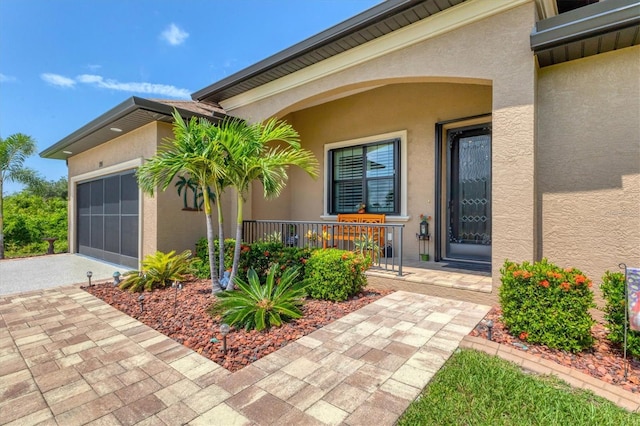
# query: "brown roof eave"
(585, 22)
(109, 118)
(324, 38)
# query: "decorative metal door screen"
(469, 194)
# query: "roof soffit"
(589, 30)
(448, 20)
(129, 115)
(380, 20)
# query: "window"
(366, 173)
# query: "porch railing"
(385, 250)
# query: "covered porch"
(392, 267)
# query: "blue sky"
(65, 62)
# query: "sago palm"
(257, 306)
(262, 152)
(190, 152)
(159, 270)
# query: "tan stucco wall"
(177, 229)
(164, 225)
(136, 144)
(140, 143)
(412, 107)
(588, 162)
(495, 51)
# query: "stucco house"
(515, 124)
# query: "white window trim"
(400, 134)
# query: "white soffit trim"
(453, 18)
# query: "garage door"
(107, 219)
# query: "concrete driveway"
(40, 272)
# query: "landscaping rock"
(603, 361)
(193, 327)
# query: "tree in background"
(29, 218)
(13, 151)
(36, 184)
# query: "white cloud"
(58, 80)
(136, 87)
(94, 67)
(174, 35)
(89, 78)
(6, 78)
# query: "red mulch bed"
(604, 361)
(193, 327)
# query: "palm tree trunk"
(215, 287)
(1, 220)
(236, 252)
(220, 233)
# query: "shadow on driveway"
(35, 273)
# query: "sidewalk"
(69, 358)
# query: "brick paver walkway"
(414, 273)
(68, 358)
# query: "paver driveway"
(68, 358)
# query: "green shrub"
(200, 266)
(335, 274)
(613, 291)
(28, 219)
(259, 256)
(544, 304)
(262, 255)
(158, 270)
(257, 306)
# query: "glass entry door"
(469, 194)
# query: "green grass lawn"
(477, 389)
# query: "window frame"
(400, 162)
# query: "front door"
(468, 211)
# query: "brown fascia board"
(588, 21)
(362, 20)
(114, 114)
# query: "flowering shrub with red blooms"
(547, 305)
(259, 256)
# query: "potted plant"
(367, 246)
(361, 207)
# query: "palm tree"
(191, 152)
(13, 151)
(263, 152)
